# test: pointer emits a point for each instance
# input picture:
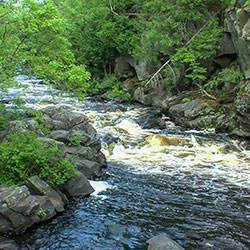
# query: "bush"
(23, 156)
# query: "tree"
(33, 38)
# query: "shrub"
(23, 155)
(186, 100)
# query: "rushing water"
(198, 186)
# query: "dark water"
(178, 200)
(143, 205)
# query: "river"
(196, 189)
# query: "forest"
(68, 43)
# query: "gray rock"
(142, 68)
(122, 67)
(72, 137)
(237, 23)
(46, 209)
(48, 142)
(17, 208)
(8, 244)
(39, 187)
(52, 124)
(90, 169)
(163, 242)
(78, 187)
(16, 127)
(66, 116)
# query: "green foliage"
(23, 156)
(41, 213)
(247, 3)
(202, 47)
(38, 117)
(76, 140)
(33, 37)
(226, 75)
(4, 117)
(111, 85)
(186, 100)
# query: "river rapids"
(195, 187)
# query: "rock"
(17, 208)
(8, 244)
(90, 169)
(32, 125)
(162, 140)
(193, 235)
(163, 242)
(237, 22)
(141, 96)
(127, 65)
(46, 209)
(71, 137)
(16, 127)
(123, 68)
(227, 52)
(39, 187)
(52, 124)
(78, 187)
(48, 142)
(66, 116)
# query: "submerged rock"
(162, 140)
(163, 242)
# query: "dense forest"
(62, 41)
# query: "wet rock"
(22, 207)
(78, 186)
(8, 244)
(39, 187)
(163, 242)
(46, 210)
(162, 140)
(193, 235)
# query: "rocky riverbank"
(226, 105)
(35, 201)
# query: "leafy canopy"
(34, 39)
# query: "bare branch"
(112, 9)
(169, 60)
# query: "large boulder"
(39, 187)
(237, 23)
(78, 186)
(19, 209)
(90, 169)
(8, 244)
(163, 242)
